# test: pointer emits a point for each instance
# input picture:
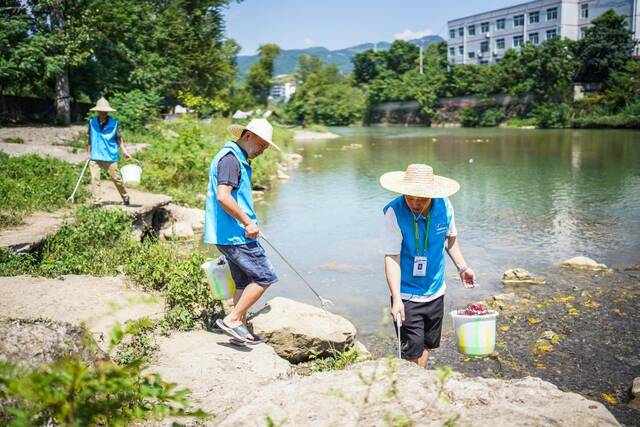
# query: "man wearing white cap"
(231, 223)
(419, 225)
(105, 141)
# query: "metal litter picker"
(72, 198)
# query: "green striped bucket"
(475, 335)
(219, 277)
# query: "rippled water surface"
(528, 198)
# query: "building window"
(471, 55)
(534, 17)
(484, 47)
(452, 51)
(584, 11)
(484, 27)
(552, 13)
(533, 38)
(551, 34)
(500, 44)
(452, 34)
(518, 41)
(484, 62)
(518, 21)
(471, 30)
(461, 31)
(500, 24)
(461, 50)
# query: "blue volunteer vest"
(433, 281)
(104, 143)
(219, 227)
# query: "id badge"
(419, 266)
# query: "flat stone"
(141, 202)
(360, 396)
(218, 373)
(505, 297)
(33, 231)
(192, 216)
(99, 302)
(521, 276)
(297, 331)
(583, 263)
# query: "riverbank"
(577, 331)
(310, 135)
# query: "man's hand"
(251, 230)
(128, 156)
(468, 278)
(397, 309)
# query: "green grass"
(516, 122)
(13, 140)
(32, 183)
(178, 156)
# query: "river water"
(528, 198)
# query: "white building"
(485, 37)
(283, 87)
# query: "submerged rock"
(298, 331)
(517, 276)
(383, 392)
(635, 389)
(583, 263)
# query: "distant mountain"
(288, 58)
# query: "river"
(528, 198)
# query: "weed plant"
(32, 183)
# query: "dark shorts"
(249, 264)
(421, 328)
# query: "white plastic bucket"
(131, 174)
(219, 276)
(475, 335)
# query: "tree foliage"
(259, 75)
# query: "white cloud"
(308, 42)
(410, 35)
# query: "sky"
(336, 24)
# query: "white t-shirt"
(392, 244)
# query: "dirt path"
(38, 226)
(97, 301)
(596, 319)
(49, 141)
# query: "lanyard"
(416, 234)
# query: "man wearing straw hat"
(419, 227)
(105, 141)
(231, 222)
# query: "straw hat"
(102, 105)
(260, 127)
(419, 181)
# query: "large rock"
(520, 276)
(384, 392)
(178, 231)
(296, 331)
(218, 373)
(32, 342)
(583, 263)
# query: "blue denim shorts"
(249, 264)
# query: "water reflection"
(528, 199)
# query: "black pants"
(421, 328)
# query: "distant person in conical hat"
(419, 227)
(231, 222)
(105, 142)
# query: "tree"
(605, 47)
(259, 75)
(307, 65)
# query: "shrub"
(491, 118)
(470, 118)
(32, 183)
(135, 108)
(551, 115)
